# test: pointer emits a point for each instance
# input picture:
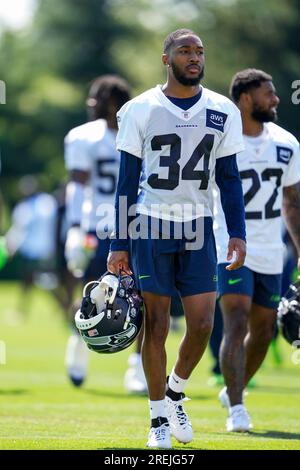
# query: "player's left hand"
(238, 246)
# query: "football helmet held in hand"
(288, 314)
(111, 313)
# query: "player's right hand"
(238, 246)
(118, 261)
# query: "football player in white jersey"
(173, 140)
(270, 169)
(93, 164)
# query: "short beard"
(262, 115)
(184, 80)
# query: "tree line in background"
(48, 66)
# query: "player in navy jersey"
(270, 170)
(175, 139)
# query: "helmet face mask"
(111, 313)
(288, 315)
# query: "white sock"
(176, 383)
(236, 408)
(157, 408)
(135, 359)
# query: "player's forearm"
(75, 196)
(74, 201)
(291, 213)
(127, 191)
(231, 192)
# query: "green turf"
(39, 409)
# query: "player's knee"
(236, 330)
(203, 327)
(235, 317)
(235, 306)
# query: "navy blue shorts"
(98, 263)
(264, 289)
(163, 265)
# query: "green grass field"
(39, 409)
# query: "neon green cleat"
(3, 252)
(276, 353)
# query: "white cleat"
(134, 379)
(238, 419)
(160, 437)
(224, 398)
(76, 360)
(181, 427)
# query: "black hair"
(245, 80)
(168, 42)
(105, 89)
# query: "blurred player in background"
(66, 283)
(32, 237)
(93, 163)
(270, 170)
(215, 341)
(3, 248)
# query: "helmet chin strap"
(127, 320)
(103, 292)
(296, 290)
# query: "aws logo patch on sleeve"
(215, 119)
(284, 154)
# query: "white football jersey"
(269, 162)
(178, 150)
(34, 227)
(92, 147)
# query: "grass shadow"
(112, 394)
(17, 391)
(131, 396)
(267, 433)
(276, 434)
(277, 389)
(193, 396)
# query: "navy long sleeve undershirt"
(128, 185)
(227, 179)
(231, 192)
